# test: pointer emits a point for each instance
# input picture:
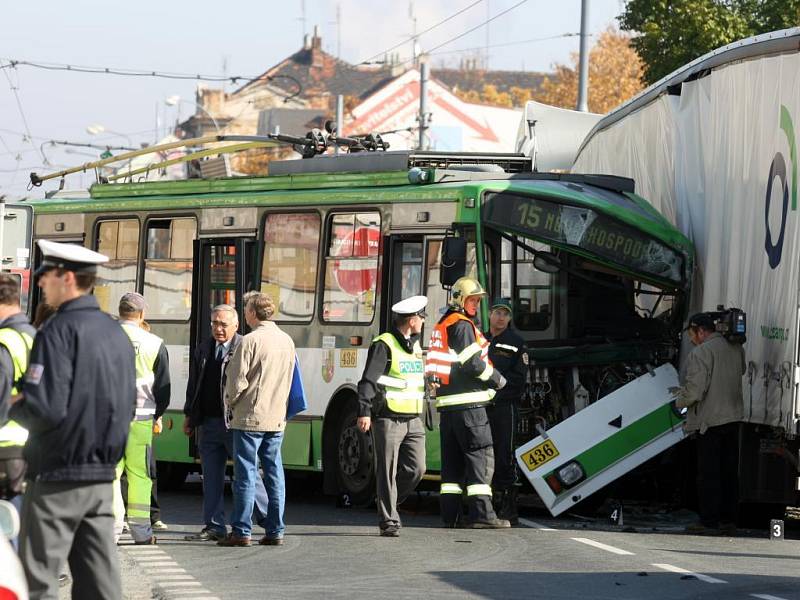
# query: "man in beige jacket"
(257, 385)
(712, 394)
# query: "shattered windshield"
(583, 228)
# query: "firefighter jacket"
(508, 355)
(152, 372)
(458, 359)
(79, 394)
(393, 383)
(16, 339)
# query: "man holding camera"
(712, 394)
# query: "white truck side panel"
(720, 161)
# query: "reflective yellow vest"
(19, 347)
(404, 384)
(146, 346)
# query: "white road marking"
(601, 546)
(700, 576)
(767, 597)
(535, 525)
(177, 583)
(175, 577)
(159, 570)
(151, 559)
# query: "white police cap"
(415, 305)
(58, 255)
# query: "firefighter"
(390, 397)
(16, 339)
(152, 399)
(507, 353)
(459, 369)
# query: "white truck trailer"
(713, 147)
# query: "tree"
(672, 33)
(615, 73)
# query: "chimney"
(316, 49)
(306, 42)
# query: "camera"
(731, 323)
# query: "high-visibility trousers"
(136, 465)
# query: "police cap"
(415, 305)
(58, 255)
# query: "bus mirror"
(547, 262)
(454, 260)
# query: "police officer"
(16, 339)
(508, 356)
(77, 403)
(390, 397)
(152, 399)
(458, 363)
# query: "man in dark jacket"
(507, 353)
(204, 413)
(77, 402)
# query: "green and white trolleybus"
(598, 281)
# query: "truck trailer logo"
(778, 170)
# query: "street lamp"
(97, 129)
(175, 100)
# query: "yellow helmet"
(463, 288)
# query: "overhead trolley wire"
(413, 37)
(468, 31)
(14, 90)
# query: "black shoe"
(206, 535)
(390, 531)
(487, 524)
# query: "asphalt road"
(336, 553)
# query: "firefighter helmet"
(463, 288)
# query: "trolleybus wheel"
(355, 459)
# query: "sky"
(235, 37)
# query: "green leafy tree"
(671, 33)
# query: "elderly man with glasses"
(204, 414)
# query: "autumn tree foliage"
(615, 75)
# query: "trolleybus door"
(16, 229)
(223, 272)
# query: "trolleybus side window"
(119, 240)
(530, 289)
(351, 267)
(168, 268)
(289, 269)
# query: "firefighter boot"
(508, 506)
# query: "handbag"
(297, 394)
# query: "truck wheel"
(354, 460)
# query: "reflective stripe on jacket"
(19, 346)
(445, 364)
(404, 384)
(146, 345)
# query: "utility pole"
(583, 73)
(414, 41)
(339, 118)
(423, 105)
(486, 50)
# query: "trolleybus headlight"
(570, 474)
